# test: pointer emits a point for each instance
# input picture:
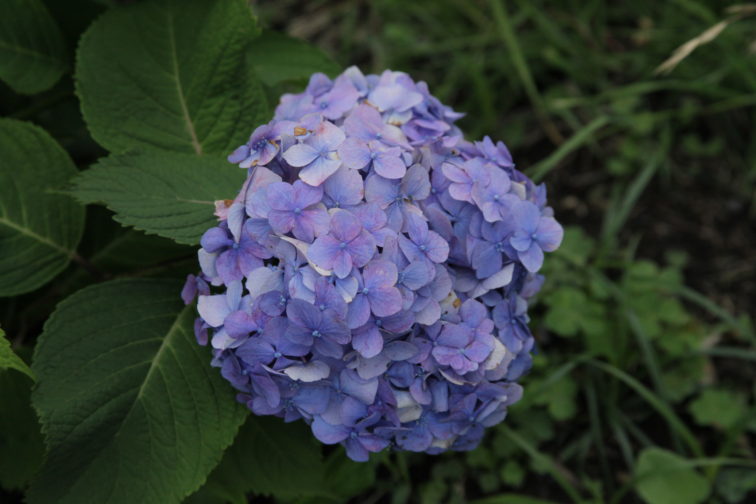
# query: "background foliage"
(643, 390)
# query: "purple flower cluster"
(372, 276)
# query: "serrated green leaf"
(182, 85)
(130, 407)
(21, 445)
(39, 229)
(268, 457)
(9, 360)
(277, 57)
(32, 51)
(666, 478)
(163, 193)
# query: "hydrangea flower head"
(372, 276)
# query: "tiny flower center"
(365, 290)
(316, 334)
(323, 105)
(343, 245)
(379, 322)
(277, 355)
(423, 248)
(373, 155)
(322, 307)
(297, 210)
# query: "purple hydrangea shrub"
(372, 277)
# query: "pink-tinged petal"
(473, 312)
(486, 259)
(359, 311)
(445, 355)
(454, 336)
(362, 249)
(315, 221)
(390, 167)
(400, 350)
(239, 155)
(306, 195)
(303, 313)
(371, 216)
(328, 348)
(228, 266)
(478, 351)
(323, 251)
(398, 323)
(281, 222)
(335, 328)
(491, 211)
(372, 443)
(368, 342)
(345, 187)
(455, 173)
(381, 191)
(526, 215)
(213, 309)
(342, 263)
(437, 249)
(280, 196)
(248, 262)
(239, 324)
(385, 301)
(319, 170)
(460, 192)
(300, 155)
(326, 136)
(354, 153)
(549, 234)
(345, 226)
(416, 183)
(255, 350)
(417, 274)
(521, 241)
(380, 273)
(363, 122)
(532, 258)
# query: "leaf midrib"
(179, 89)
(173, 329)
(31, 234)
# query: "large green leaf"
(39, 229)
(32, 51)
(277, 57)
(21, 445)
(130, 407)
(666, 478)
(171, 74)
(268, 457)
(162, 193)
(9, 360)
